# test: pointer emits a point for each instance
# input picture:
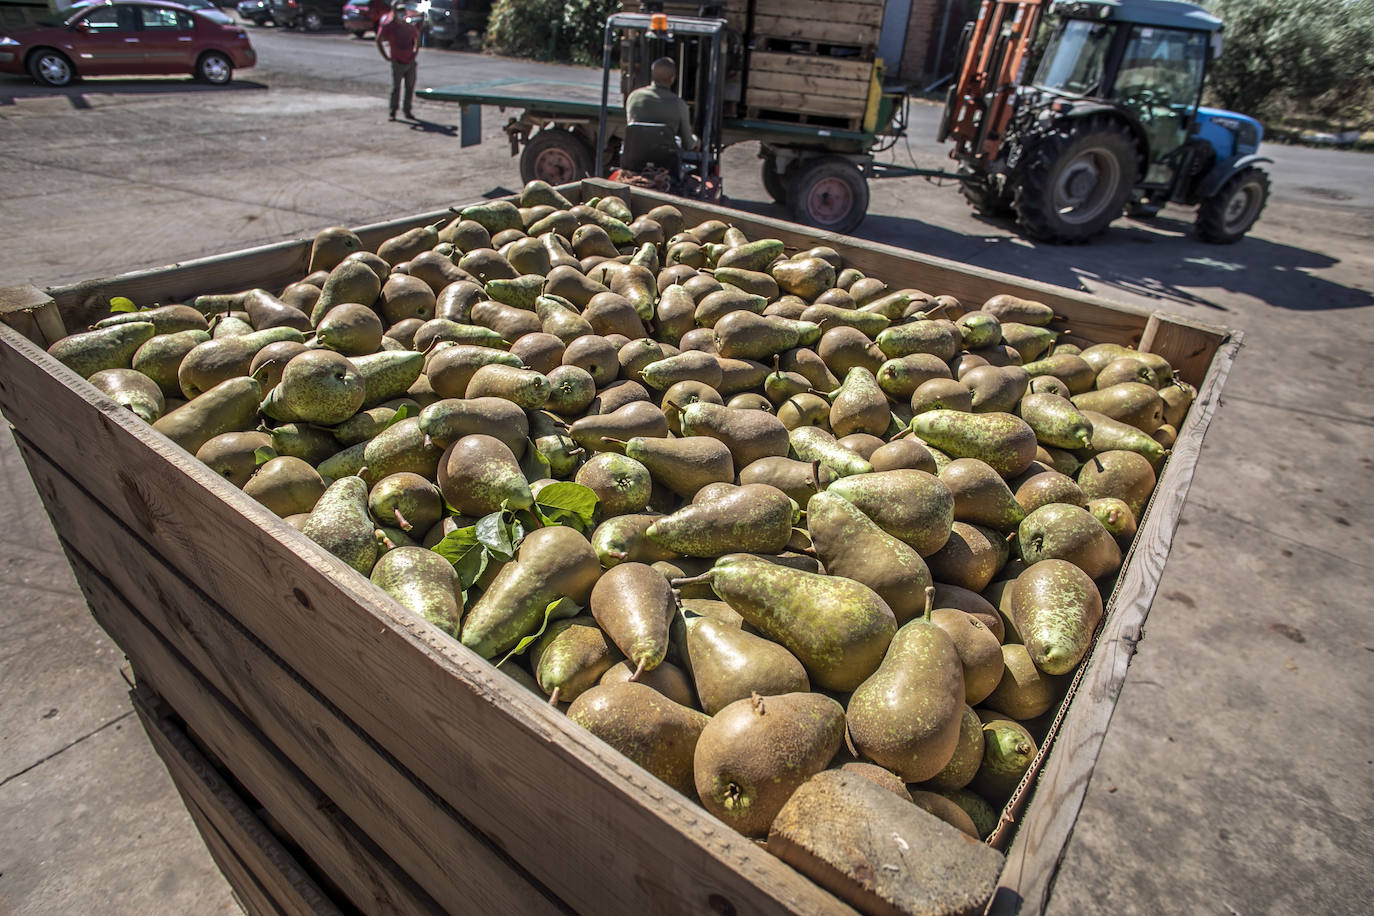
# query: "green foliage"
(548, 30)
(1316, 55)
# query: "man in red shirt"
(404, 41)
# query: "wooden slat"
(825, 11)
(32, 313)
(175, 631)
(247, 890)
(1063, 781)
(900, 268)
(361, 870)
(815, 30)
(467, 732)
(853, 91)
(838, 68)
(1188, 345)
(803, 102)
(277, 873)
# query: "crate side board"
(445, 714)
(1075, 741)
(276, 873)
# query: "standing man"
(404, 41)
(659, 104)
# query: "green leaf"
(535, 466)
(566, 503)
(401, 413)
(263, 454)
(556, 610)
(122, 304)
(495, 533)
(468, 555)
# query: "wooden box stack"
(339, 754)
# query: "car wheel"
(357, 34)
(51, 68)
(213, 67)
(313, 21)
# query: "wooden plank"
(898, 267)
(33, 313)
(804, 102)
(223, 684)
(855, 92)
(247, 890)
(360, 869)
(1188, 345)
(815, 30)
(1047, 826)
(466, 731)
(824, 11)
(277, 872)
(810, 65)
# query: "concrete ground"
(1237, 773)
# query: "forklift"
(1111, 122)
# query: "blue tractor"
(1110, 123)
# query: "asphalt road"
(1235, 777)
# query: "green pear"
(448, 420)
(686, 465)
(422, 582)
(349, 281)
(981, 496)
(570, 658)
(160, 357)
(755, 518)
(478, 475)
(655, 732)
(748, 434)
(850, 544)
(810, 443)
(131, 389)
(230, 406)
(233, 456)
(340, 523)
(317, 386)
(112, 347)
(635, 606)
(285, 486)
(209, 363)
(913, 506)
(968, 753)
(1002, 440)
(1056, 607)
(728, 664)
(1063, 532)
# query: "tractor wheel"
(1228, 214)
(983, 194)
(773, 182)
(1076, 180)
(557, 156)
(829, 193)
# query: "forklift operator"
(659, 104)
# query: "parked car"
(208, 10)
(311, 15)
(258, 12)
(363, 16)
(128, 37)
(450, 21)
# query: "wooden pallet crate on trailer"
(406, 771)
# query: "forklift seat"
(648, 144)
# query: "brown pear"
(981, 496)
(635, 605)
(655, 732)
(728, 664)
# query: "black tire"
(773, 183)
(983, 194)
(357, 34)
(1225, 217)
(1076, 180)
(214, 68)
(557, 156)
(829, 193)
(51, 68)
(312, 21)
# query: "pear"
(230, 406)
(936, 336)
(979, 329)
(388, 374)
(807, 363)
(406, 500)
(985, 818)
(1008, 751)
(1063, 532)
(422, 582)
(317, 386)
(267, 311)
(166, 319)
(233, 456)
(448, 420)
(1057, 608)
(111, 347)
(754, 518)
(842, 348)
(351, 280)
(1122, 474)
(506, 321)
(1024, 692)
(623, 538)
(903, 454)
(1176, 397)
(270, 362)
(971, 603)
(618, 394)
(745, 335)
(900, 377)
(552, 563)
(1007, 307)
(1004, 441)
(690, 365)
(941, 394)
(1114, 514)
(131, 389)
(829, 317)
(570, 658)
(668, 679)
(1132, 403)
(401, 248)
(728, 664)
(312, 444)
(351, 329)
(524, 387)
(675, 313)
(647, 727)
(859, 405)
(571, 390)
(285, 486)
(810, 443)
(680, 395)
(805, 409)
(340, 523)
(451, 369)
(332, 245)
(970, 557)
(968, 752)
(160, 357)
(1113, 435)
(798, 479)
(850, 544)
(479, 474)
(495, 216)
(1029, 341)
(981, 496)
(1125, 369)
(684, 466)
(621, 484)
(906, 716)
(751, 256)
(837, 628)
(980, 653)
(756, 752)
(1040, 486)
(751, 281)
(913, 506)
(610, 313)
(716, 305)
(1072, 370)
(635, 605)
(605, 432)
(748, 434)
(995, 388)
(214, 361)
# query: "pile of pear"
(838, 523)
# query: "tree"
(549, 29)
(1312, 54)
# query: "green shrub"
(547, 30)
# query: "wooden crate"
(781, 86)
(404, 767)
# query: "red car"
(128, 37)
(363, 16)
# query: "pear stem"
(401, 520)
(361, 471)
(904, 433)
(930, 602)
(553, 697)
(620, 442)
(692, 580)
(638, 671)
(758, 703)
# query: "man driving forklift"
(657, 103)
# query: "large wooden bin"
(404, 772)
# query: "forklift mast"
(996, 47)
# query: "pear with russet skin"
(981, 496)
(655, 732)
(1063, 532)
(341, 524)
(1056, 608)
(754, 518)
(850, 544)
(570, 658)
(635, 605)
(1002, 440)
(728, 664)
(424, 583)
(911, 505)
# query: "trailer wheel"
(774, 183)
(557, 156)
(1076, 180)
(1227, 215)
(829, 193)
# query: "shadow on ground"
(14, 89)
(1159, 258)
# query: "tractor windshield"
(1073, 62)
(1158, 81)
